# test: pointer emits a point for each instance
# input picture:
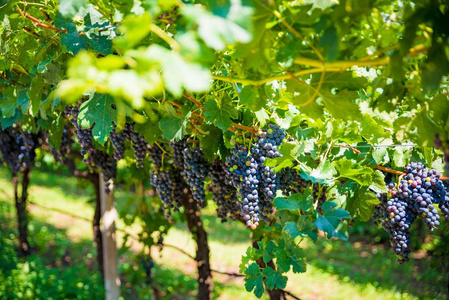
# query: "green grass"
(63, 264)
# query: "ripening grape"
(224, 193)
(195, 172)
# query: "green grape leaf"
(23, 102)
(254, 280)
(288, 152)
(274, 278)
(250, 97)
(220, 113)
(322, 174)
(178, 72)
(35, 95)
(98, 112)
(289, 254)
(150, 131)
(72, 39)
(134, 29)
(321, 4)
(252, 254)
(435, 67)
(303, 227)
(211, 146)
(401, 156)
(358, 173)
(218, 32)
(266, 249)
(361, 201)
(68, 8)
(294, 202)
(372, 131)
(328, 223)
(173, 127)
(378, 184)
(8, 106)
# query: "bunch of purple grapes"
(414, 197)
(17, 147)
(195, 172)
(166, 180)
(243, 170)
(224, 193)
(266, 146)
(84, 135)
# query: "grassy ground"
(63, 264)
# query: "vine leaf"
(303, 227)
(274, 279)
(8, 107)
(173, 127)
(322, 174)
(361, 201)
(249, 96)
(254, 280)
(378, 184)
(99, 113)
(211, 146)
(133, 29)
(294, 202)
(35, 95)
(288, 153)
(179, 72)
(358, 173)
(217, 31)
(329, 222)
(289, 254)
(69, 8)
(220, 113)
(266, 249)
(252, 254)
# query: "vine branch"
(164, 36)
(38, 22)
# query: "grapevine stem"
(163, 35)
(250, 129)
(320, 67)
(282, 77)
(197, 103)
(10, 80)
(47, 16)
(31, 31)
(362, 62)
(38, 23)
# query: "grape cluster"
(267, 142)
(397, 217)
(444, 203)
(243, 169)
(166, 180)
(423, 188)
(107, 165)
(17, 148)
(64, 146)
(195, 171)
(140, 145)
(118, 142)
(225, 194)
(84, 135)
(27, 146)
(414, 197)
(290, 182)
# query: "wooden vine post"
(108, 218)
